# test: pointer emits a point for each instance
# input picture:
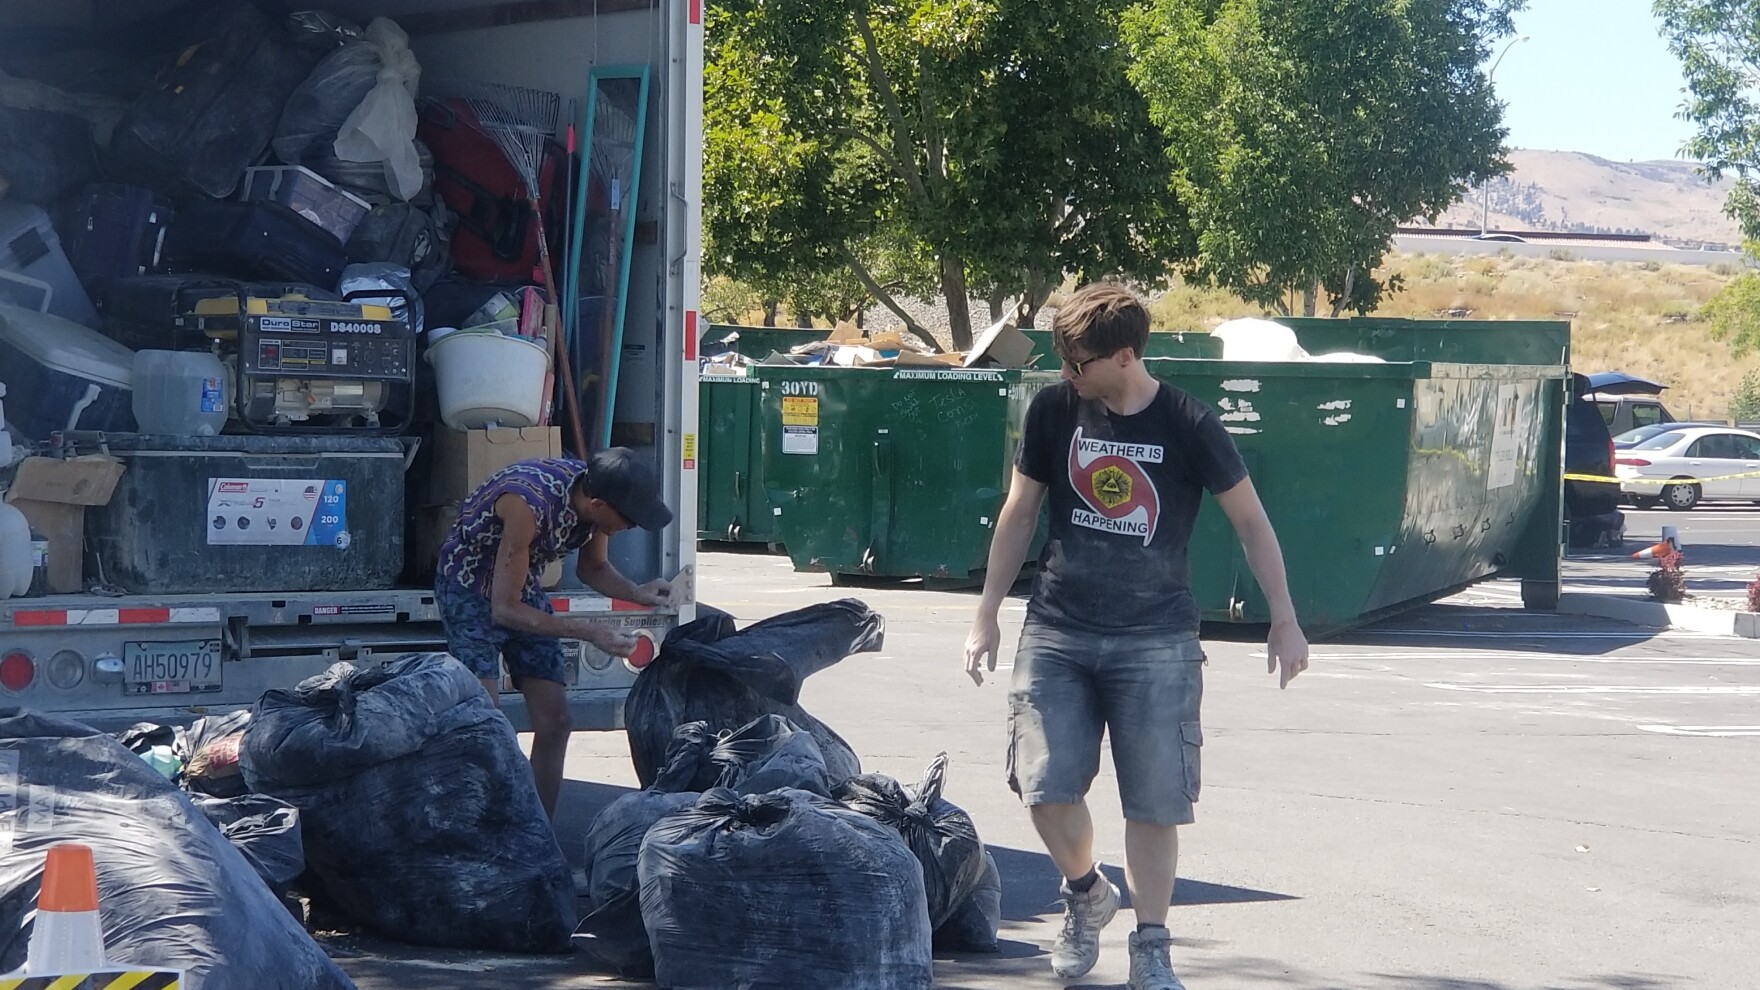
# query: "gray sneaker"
(1150, 967)
(1077, 948)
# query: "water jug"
(179, 393)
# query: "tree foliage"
(1718, 44)
(1734, 313)
(982, 147)
(1303, 132)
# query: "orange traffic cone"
(1654, 552)
(67, 937)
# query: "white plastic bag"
(383, 127)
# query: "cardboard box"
(54, 494)
(432, 525)
(464, 459)
(1001, 346)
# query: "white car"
(1689, 465)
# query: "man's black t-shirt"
(1123, 494)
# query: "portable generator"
(314, 366)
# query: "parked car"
(1591, 508)
(1631, 438)
(1686, 466)
(1628, 402)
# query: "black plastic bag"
(173, 892)
(975, 923)
(209, 750)
(418, 809)
(940, 835)
(264, 830)
(781, 891)
(706, 671)
(318, 108)
(770, 754)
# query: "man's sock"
(1086, 883)
(1143, 927)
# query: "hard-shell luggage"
(117, 231)
(254, 240)
(31, 250)
(215, 108)
(495, 237)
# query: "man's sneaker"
(1077, 948)
(1150, 967)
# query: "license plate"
(172, 668)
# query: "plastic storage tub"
(486, 379)
(308, 194)
(251, 514)
(30, 248)
(58, 372)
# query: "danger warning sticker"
(140, 979)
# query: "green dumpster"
(757, 343)
(1161, 344)
(732, 505)
(895, 473)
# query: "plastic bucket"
(487, 379)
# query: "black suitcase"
(183, 312)
(214, 110)
(404, 235)
(117, 231)
(45, 155)
(255, 240)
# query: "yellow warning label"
(690, 451)
(799, 410)
(141, 979)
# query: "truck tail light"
(67, 670)
(17, 671)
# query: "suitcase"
(117, 232)
(30, 248)
(495, 237)
(254, 240)
(183, 312)
(406, 236)
(213, 111)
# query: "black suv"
(1591, 508)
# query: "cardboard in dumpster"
(54, 493)
(1003, 345)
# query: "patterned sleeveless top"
(468, 555)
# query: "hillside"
(1637, 317)
(1576, 192)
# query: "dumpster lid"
(1620, 383)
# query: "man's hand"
(654, 593)
(1288, 648)
(981, 643)
(610, 641)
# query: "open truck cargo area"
(165, 609)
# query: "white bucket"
(487, 379)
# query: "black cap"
(626, 484)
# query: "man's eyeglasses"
(1075, 367)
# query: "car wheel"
(1681, 497)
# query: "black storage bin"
(251, 513)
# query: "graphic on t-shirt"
(1110, 479)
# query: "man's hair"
(582, 486)
(1100, 320)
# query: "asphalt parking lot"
(1464, 797)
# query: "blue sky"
(1595, 77)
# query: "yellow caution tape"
(1659, 482)
(143, 979)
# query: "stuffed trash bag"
(418, 809)
(264, 830)
(782, 891)
(975, 923)
(940, 835)
(173, 893)
(710, 672)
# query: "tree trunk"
(1039, 289)
(996, 298)
(770, 306)
(884, 298)
(803, 319)
(1311, 297)
(959, 306)
(1344, 298)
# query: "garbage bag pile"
(757, 855)
(173, 893)
(420, 817)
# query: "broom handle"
(553, 327)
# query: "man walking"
(1111, 636)
(489, 587)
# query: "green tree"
(1744, 403)
(1734, 313)
(982, 147)
(1718, 44)
(1303, 132)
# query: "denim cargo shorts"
(1070, 687)
(477, 642)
